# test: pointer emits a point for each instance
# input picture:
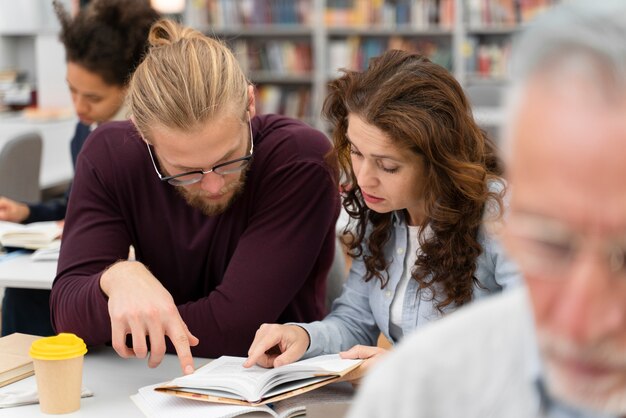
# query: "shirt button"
(388, 293)
(400, 250)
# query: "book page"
(226, 374)
(158, 405)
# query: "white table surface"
(21, 271)
(112, 379)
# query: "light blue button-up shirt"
(363, 310)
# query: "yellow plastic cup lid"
(60, 347)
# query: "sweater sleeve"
(351, 320)
(290, 240)
(94, 237)
(50, 210)
(272, 275)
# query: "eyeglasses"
(549, 248)
(191, 177)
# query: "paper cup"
(59, 371)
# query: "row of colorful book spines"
(254, 12)
(416, 13)
(284, 57)
(420, 13)
(355, 53)
(488, 59)
(506, 12)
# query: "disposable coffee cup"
(58, 364)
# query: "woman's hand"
(275, 345)
(372, 355)
(13, 211)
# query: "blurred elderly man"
(556, 348)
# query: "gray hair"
(583, 36)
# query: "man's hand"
(13, 211)
(275, 345)
(372, 356)
(139, 305)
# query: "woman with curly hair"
(422, 182)
(104, 43)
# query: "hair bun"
(167, 32)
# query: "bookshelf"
(292, 48)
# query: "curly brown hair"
(108, 37)
(421, 107)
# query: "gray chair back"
(20, 163)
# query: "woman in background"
(104, 43)
(423, 180)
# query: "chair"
(20, 163)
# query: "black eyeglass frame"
(173, 180)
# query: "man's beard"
(604, 393)
(199, 201)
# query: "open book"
(158, 405)
(15, 363)
(31, 236)
(225, 380)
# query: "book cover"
(225, 380)
(154, 404)
(15, 363)
(31, 236)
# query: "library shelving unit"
(291, 48)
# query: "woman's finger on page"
(267, 337)
(360, 352)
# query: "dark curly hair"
(421, 107)
(108, 37)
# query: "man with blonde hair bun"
(232, 215)
(556, 348)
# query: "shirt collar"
(122, 114)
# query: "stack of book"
(31, 236)
(15, 363)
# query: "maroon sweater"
(265, 259)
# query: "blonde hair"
(185, 79)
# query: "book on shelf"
(228, 13)
(418, 14)
(15, 363)
(225, 380)
(30, 236)
(503, 13)
(158, 405)
(355, 52)
(487, 60)
(290, 101)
